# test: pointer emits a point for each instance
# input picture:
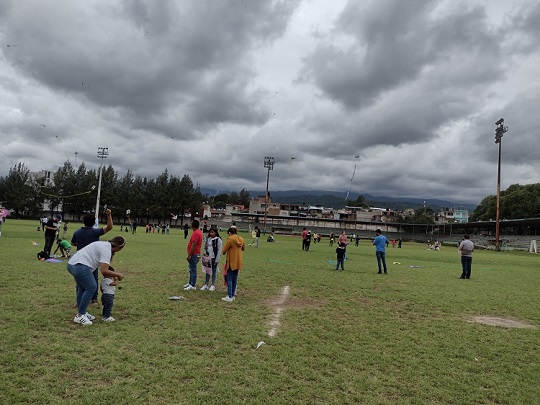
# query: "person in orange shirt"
(234, 246)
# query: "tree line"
(517, 202)
(74, 190)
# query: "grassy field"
(350, 337)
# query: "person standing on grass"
(193, 254)
(340, 256)
(343, 241)
(213, 247)
(465, 249)
(82, 265)
(65, 229)
(234, 246)
(380, 242)
(307, 241)
(51, 229)
(87, 234)
(257, 236)
(108, 289)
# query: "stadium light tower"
(102, 154)
(499, 132)
(269, 164)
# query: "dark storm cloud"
(141, 57)
(406, 73)
(208, 88)
(394, 43)
(526, 28)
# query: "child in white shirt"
(108, 289)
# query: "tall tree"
(17, 190)
(124, 193)
(244, 197)
(184, 192)
(220, 201)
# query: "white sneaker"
(212, 288)
(204, 287)
(82, 319)
(109, 319)
(190, 287)
(227, 299)
(90, 317)
(185, 285)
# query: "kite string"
(67, 196)
(350, 183)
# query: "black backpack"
(42, 255)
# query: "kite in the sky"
(352, 177)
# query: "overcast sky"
(406, 91)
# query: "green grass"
(344, 338)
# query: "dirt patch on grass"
(363, 300)
(504, 322)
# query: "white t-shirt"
(106, 288)
(93, 254)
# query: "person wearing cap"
(51, 228)
(82, 265)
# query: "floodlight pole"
(499, 132)
(102, 154)
(269, 164)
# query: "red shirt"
(196, 239)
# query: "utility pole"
(102, 154)
(499, 132)
(269, 164)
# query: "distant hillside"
(337, 200)
(334, 199)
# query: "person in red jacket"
(193, 254)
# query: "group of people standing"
(93, 256)
(214, 249)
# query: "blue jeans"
(466, 262)
(232, 282)
(381, 258)
(192, 265)
(340, 261)
(86, 285)
(107, 300)
(95, 273)
(214, 272)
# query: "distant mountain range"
(336, 199)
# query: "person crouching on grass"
(64, 246)
(108, 289)
(234, 246)
(81, 267)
